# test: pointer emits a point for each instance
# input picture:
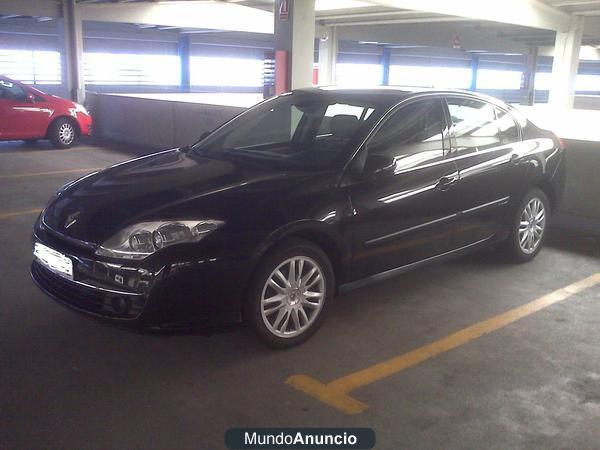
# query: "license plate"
(53, 260)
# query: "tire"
(293, 316)
(62, 133)
(527, 235)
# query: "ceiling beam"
(45, 8)
(187, 14)
(529, 13)
(442, 35)
(437, 19)
(575, 3)
(364, 15)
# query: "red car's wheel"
(63, 133)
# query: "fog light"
(120, 305)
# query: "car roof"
(393, 95)
(393, 92)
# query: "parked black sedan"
(316, 190)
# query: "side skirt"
(402, 269)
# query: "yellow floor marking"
(19, 213)
(56, 172)
(335, 393)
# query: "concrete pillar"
(73, 50)
(386, 59)
(565, 64)
(528, 78)
(474, 69)
(184, 50)
(328, 50)
(295, 34)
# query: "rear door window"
(475, 127)
(509, 131)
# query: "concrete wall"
(580, 209)
(156, 123)
(587, 102)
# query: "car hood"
(170, 185)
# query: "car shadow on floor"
(7, 147)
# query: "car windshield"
(302, 130)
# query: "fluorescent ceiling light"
(329, 5)
(183, 14)
(504, 54)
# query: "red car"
(28, 114)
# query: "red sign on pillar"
(456, 42)
(281, 72)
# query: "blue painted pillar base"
(184, 50)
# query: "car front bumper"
(85, 124)
(171, 295)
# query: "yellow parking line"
(19, 213)
(335, 393)
(56, 172)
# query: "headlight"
(78, 108)
(143, 239)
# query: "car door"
(22, 116)
(403, 213)
(484, 145)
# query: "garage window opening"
(223, 72)
(31, 66)
(430, 77)
(131, 69)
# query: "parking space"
(530, 379)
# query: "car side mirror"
(30, 98)
(379, 166)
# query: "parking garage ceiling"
(369, 14)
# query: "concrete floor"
(68, 382)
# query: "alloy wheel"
(532, 225)
(66, 133)
(293, 296)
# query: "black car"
(303, 195)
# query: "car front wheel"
(291, 292)
(63, 133)
(529, 226)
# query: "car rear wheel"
(290, 294)
(63, 133)
(529, 227)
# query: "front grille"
(117, 306)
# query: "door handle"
(446, 182)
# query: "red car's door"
(22, 117)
